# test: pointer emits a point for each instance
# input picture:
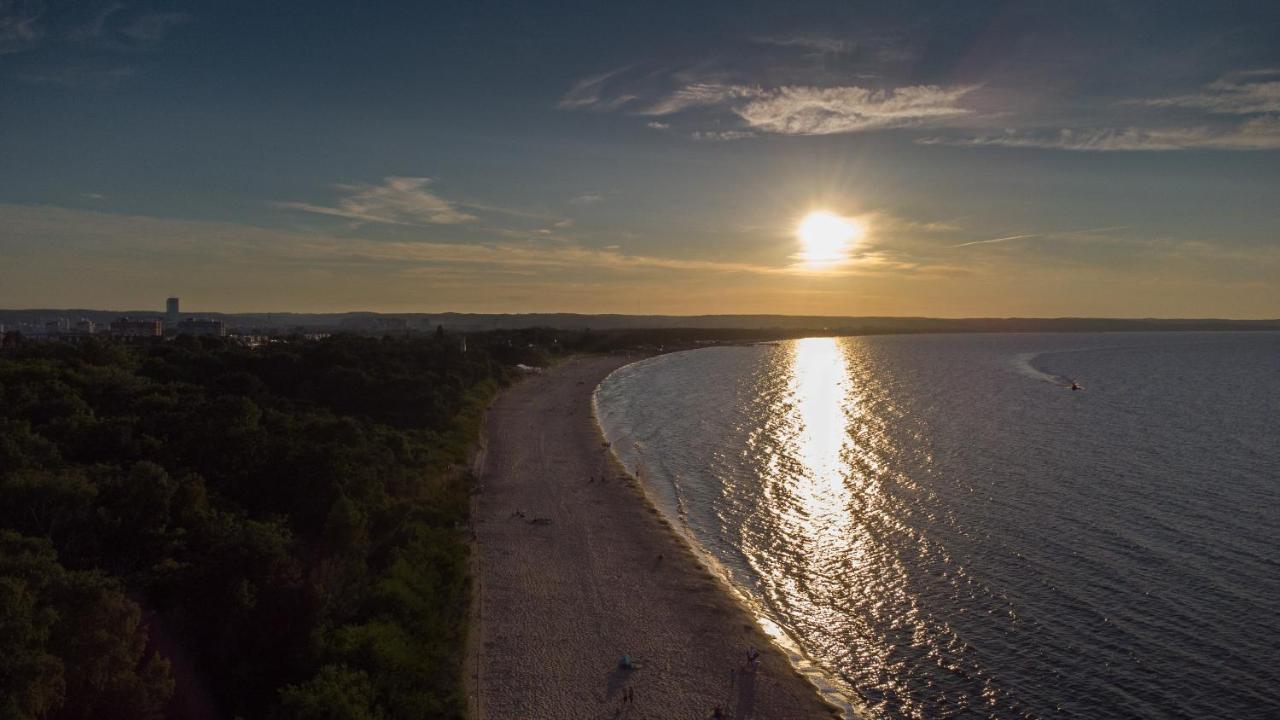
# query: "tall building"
(171, 311)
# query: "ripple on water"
(946, 532)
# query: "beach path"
(574, 568)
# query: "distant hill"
(369, 321)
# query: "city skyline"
(1103, 159)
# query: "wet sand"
(574, 567)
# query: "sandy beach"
(574, 568)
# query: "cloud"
(588, 94)
(114, 28)
(398, 201)
(655, 125)
(1244, 93)
(77, 76)
(812, 43)
(116, 242)
(151, 28)
(721, 134)
(875, 51)
(697, 95)
(827, 111)
(785, 109)
(1261, 133)
(97, 25)
(110, 26)
(528, 255)
(1008, 238)
(1254, 93)
(19, 25)
(1087, 234)
(587, 199)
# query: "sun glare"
(826, 238)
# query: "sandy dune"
(575, 568)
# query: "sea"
(938, 526)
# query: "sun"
(826, 238)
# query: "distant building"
(194, 326)
(137, 328)
(54, 328)
(85, 326)
(171, 311)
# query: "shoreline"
(574, 566)
(836, 695)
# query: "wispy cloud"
(397, 201)
(114, 27)
(589, 94)
(696, 95)
(90, 39)
(586, 199)
(784, 109)
(1243, 93)
(812, 43)
(1262, 133)
(1086, 234)
(1007, 238)
(19, 25)
(96, 25)
(1206, 119)
(721, 135)
(827, 111)
(78, 76)
(151, 28)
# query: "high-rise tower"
(171, 311)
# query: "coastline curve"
(831, 690)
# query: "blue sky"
(1114, 158)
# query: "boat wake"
(1024, 363)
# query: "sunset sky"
(995, 159)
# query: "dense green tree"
(75, 646)
(336, 693)
(287, 515)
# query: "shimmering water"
(946, 530)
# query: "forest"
(196, 529)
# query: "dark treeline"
(196, 529)
(478, 322)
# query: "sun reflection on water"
(818, 405)
(825, 487)
(818, 497)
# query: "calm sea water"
(946, 530)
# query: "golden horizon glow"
(826, 238)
